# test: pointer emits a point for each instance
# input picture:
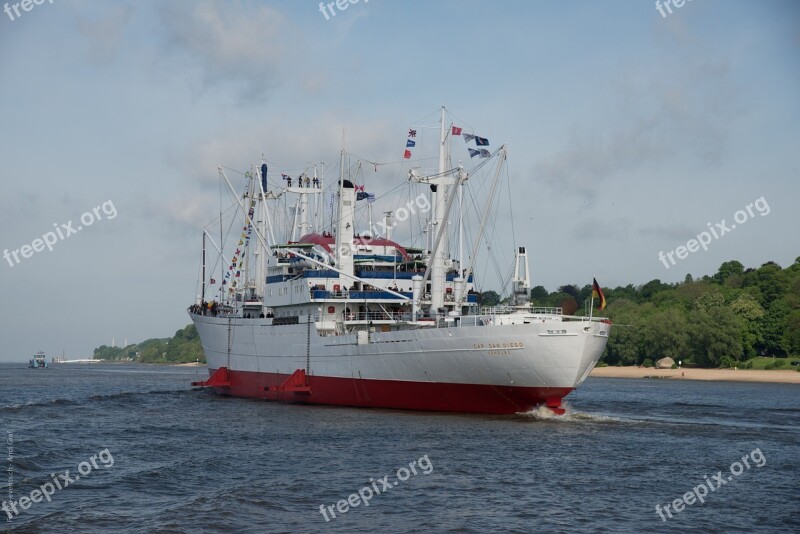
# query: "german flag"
(598, 293)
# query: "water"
(189, 461)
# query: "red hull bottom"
(425, 396)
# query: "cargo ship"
(328, 315)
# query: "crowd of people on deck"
(205, 308)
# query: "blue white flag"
(410, 143)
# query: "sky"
(629, 134)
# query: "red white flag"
(456, 130)
(407, 154)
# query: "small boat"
(39, 361)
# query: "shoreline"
(782, 376)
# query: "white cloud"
(104, 31)
(230, 43)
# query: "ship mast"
(438, 201)
(344, 223)
(440, 184)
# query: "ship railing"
(353, 294)
(547, 311)
(505, 310)
(379, 316)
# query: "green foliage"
(538, 294)
(714, 334)
(728, 269)
(762, 362)
(489, 298)
(647, 362)
(184, 347)
(713, 321)
(790, 342)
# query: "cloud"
(595, 229)
(292, 149)
(671, 232)
(230, 43)
(683, 110)
(104, 32)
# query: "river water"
(147, 453)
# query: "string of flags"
(410, 143)
(234, 270)
(454, 130)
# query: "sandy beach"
(190, 364)
(739, 375)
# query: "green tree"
(709, 300)
(714, 334)
(625, 341)
(791, 334)
(571, 290)
(489, 298)
(652, 287)
(771, 331)
(538, 293)
(750, 313)
(728, 269)
(666, 334)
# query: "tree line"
(720, 320)
(183, 347)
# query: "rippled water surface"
(188, 461)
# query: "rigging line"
(462, 121)
(379, 163)
(489, 240)
(511, 209)
(431, 114)
(485, 238)
(216, 219)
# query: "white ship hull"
(486, 369)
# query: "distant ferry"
(325, 315)
(39, 361)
